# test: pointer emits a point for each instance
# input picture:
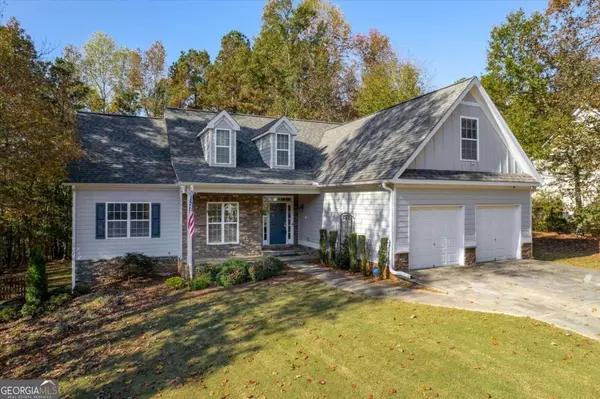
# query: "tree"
(153, 94)
(228, 79)
(187, 80)
(35, 96)
(543, 72)
(386, 80)
(102, 64)
(298, 59)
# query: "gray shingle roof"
(424, 174)
(376, 146)
(190, 165)
(121, 150)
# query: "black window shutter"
(155, 220)
(100, 220)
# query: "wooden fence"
(12, 287)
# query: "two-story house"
(441, 175)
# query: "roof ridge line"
(261, 116)
(123, 115)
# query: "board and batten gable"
(369, 207)
(88, 247)
(470, 198)
(443, 151)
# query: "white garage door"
(497, 230)
(435, 236)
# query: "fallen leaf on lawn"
(452, 347)
(274, 373)
(411, 357)
(424, 388)
(413, 316)
(404, 366)
(553, 344)
(392, 390)
(159, 367)
(353, 385)
(370, 397)
(487, 395)
(252, 381)
(128, 382)
(494, 341)
(322, 382)
(309, 380)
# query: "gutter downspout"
(392, 223)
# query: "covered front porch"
(243, 226)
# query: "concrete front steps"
(293, 254)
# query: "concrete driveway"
(566, 296)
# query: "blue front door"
(277, 223)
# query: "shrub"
(364, 253)
(343, 256)
(262, 270)
(134, 265)
(323, 245)
(332, 246)
(36, 282)
(81, 289)
(177, 283)
(233, 272)
(557, 222)
(32, 309)
(353, 252)
(8, 313)
(57, 301)
(383, 258)
(209, 269)
(200, 282)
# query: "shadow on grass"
(160, 339)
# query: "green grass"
(572, 259)
(295, 338)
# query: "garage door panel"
(435, 237)
(497, 231)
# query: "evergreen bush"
(323, 245)
(233, 272)
(343, 256)
(200, 282)
(332, 247)
(262, 270)
(383, 259)
(364, 253)
(36, 282)
(353, 252)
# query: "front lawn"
(293, 337)
(567, 249)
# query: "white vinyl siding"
(370, 209)
(87, 247)
(222, 222)
(443, 151)
(223, 146)
(470, 198)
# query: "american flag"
(191, 220)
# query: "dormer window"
(283, 149)
(218, 140)
(223, 146)
(276, 143)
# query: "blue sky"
(447, 38)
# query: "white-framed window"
(469, 139)
(139, 220)
(125, 220)
(222, 146)
(283, 149)
(222, 225)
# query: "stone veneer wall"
(250, 242)
(401, 262)
(527, 250)
(100, 272)
(470, 256)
